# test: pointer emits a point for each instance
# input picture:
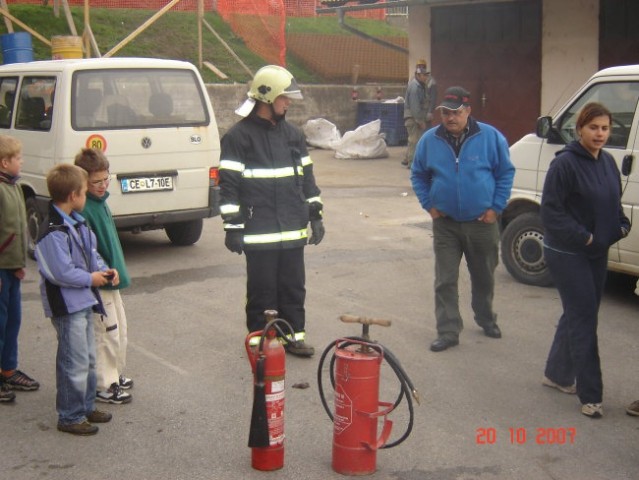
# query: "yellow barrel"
(66, 46)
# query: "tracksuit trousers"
(574, 353)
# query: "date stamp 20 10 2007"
(522, 435)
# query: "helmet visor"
(293, 91)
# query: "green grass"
(174, 35)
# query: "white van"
(522, 233)
(152, 118)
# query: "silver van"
(522, 233)
(152, 118)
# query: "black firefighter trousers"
(275, 281)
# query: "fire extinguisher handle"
(365, 320)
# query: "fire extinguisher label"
(277, 386)
(275, 416)
(343, 410)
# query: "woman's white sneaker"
(592, 410)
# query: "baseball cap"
(455, 97)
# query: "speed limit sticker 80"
(97, 141)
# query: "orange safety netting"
(184, 5)
(260, 23)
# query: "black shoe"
(443, 343)
(493, 331)
(299, 348)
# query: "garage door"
(494, 50)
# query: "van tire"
(34, 220)
(184, 233)
(522, 250)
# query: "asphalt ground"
(483, 412)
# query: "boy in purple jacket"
(71, 270)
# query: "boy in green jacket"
(13, 259)
(110, 330)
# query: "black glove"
(317, 229)
(233, 241)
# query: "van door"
(629, 246)
(620, 97)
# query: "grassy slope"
(174, 35)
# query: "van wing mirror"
(544, 126)
(626, 164)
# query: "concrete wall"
(332, 102)
(569, 50)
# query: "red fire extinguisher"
(355, 373)
(268, 363)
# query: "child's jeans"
(10, 317)
(75, 366)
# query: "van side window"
(619, 97)
(7, 100)
(35, 103)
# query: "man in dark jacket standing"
(269, 196)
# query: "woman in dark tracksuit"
(582, 216)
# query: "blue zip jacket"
(67, 254)
(463, 187)
(582, 196)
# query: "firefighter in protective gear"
(269, 198)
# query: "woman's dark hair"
(592, 110)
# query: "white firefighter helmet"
(269, 83)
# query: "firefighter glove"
(233, 241)
(317, 229)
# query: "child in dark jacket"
(13, 258)
(71, 269)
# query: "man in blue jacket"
(462, 176)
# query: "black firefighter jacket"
(268, 189)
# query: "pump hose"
(406, 385)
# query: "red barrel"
(355, 422)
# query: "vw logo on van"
(196, 139)
(146, 142)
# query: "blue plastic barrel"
(16, 47)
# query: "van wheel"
(522, 250)
(184, 233)
(34, 219)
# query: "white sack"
(321, 133)
(363, 142)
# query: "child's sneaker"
(125, 383)
(21, 381)
(113, 395)
(6, 395)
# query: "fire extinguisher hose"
(407, 388)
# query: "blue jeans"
(479, 243)
(10, 319)
(75, 366)
(574, 354)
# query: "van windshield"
(136, 98)
(619, 97)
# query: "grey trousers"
(478, 242)
(414, 134)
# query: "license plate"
(146, 184)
